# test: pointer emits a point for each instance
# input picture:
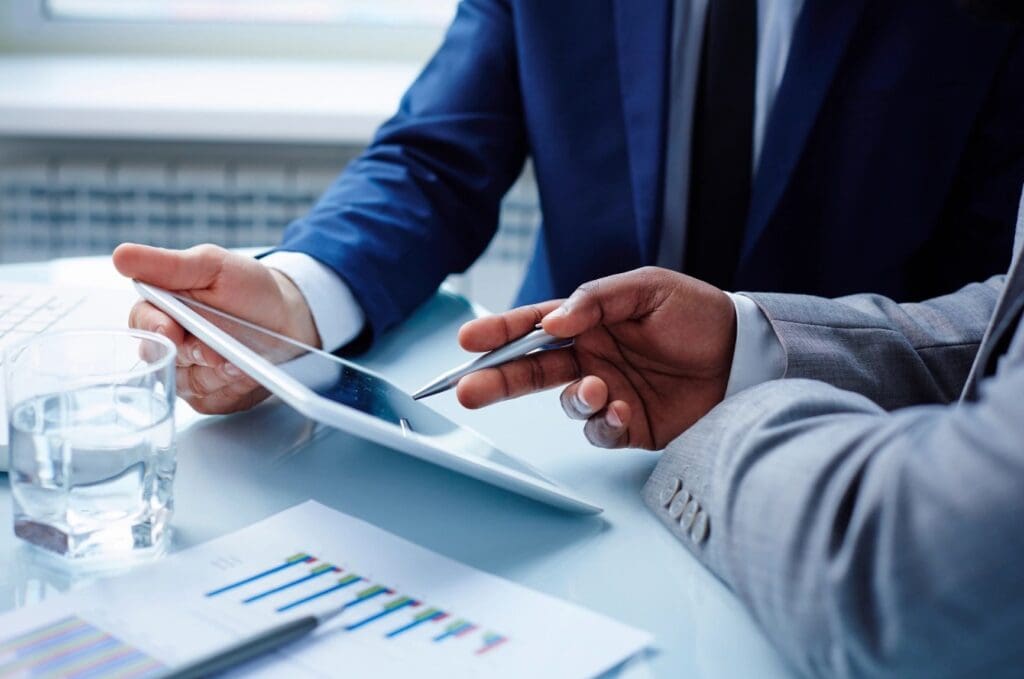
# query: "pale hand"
(231, 282)
(652, 355)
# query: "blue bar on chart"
(322, 569)
(341, 584)
(429, 615)
(294, 560)
(71, 647)
(491, 641)
(459, 628)
(389, 608)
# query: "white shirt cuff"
(758, 356)
(337, 315)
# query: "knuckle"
(537, 373)
(199, 382)
(506, 385)
(138, 317)
(649, 272)
(588, 289)
(207, 250)
(536, 313)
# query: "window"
(406, 31)
(382, 12)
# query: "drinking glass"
(92, 457)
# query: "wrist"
(300, 324)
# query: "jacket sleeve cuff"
(758, 356)
(337, 315)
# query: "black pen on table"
(250, 647)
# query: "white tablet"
(337, 393)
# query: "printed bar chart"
(390, 609)
(296, 574)
(71, 648)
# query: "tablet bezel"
(339, 416)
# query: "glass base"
(114, 542)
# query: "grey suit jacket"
(869, 541)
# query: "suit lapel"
(644, 30)
(1010, 301)
(821, 38)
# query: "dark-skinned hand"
(652, 354)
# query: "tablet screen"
(347, 384)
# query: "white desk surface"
(235, 470)
(156, 98)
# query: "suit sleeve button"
(675, 510)
(701, 524)
(669, 491)
(686, 519)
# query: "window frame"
(26, 27)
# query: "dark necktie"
(723, 142)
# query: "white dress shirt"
(758, 356)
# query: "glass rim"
(156, 366)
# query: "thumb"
(607, 301)
(193, 269)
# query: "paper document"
(408, 611)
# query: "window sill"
(198, 99)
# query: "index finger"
(485, 334)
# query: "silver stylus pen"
(538, 340)
(251, 647)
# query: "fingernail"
(197, 355)
(580, 404)
(558, 313)
(231, 370)
(612, 418)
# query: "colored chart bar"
(429, 615)
(294, 560)
(455, 629)
(491, 641)
(459, 628)
(342, 584)
(71, 647)
(322, 569)
(389, 608)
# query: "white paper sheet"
(412, 612)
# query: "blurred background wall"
(176, 122)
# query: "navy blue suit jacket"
(892, 160)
